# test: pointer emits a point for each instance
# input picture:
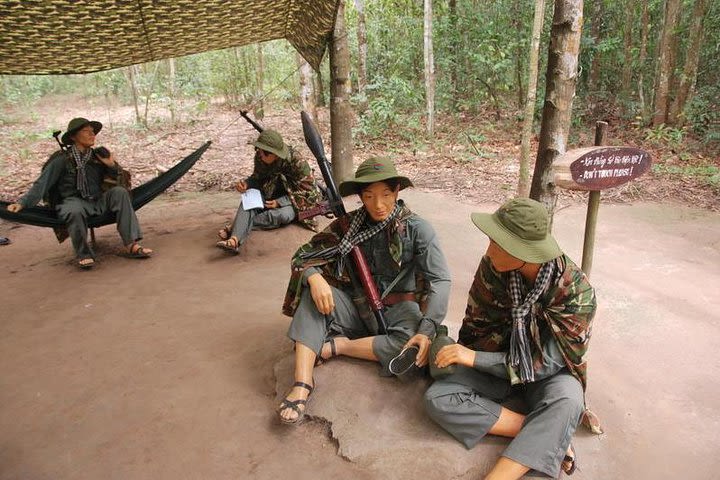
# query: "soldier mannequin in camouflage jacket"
(287, 185)
(406, 264)
(525, 333)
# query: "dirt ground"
(164, 368)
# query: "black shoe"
(404, 361)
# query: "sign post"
(594, 169)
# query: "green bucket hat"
(374, 169)
(75, 125)
(271, 141)
(520, 227)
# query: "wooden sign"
(598, 168)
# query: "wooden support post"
(592, 210)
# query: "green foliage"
(708, 174)
(663, 134)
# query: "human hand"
(455, 354)
(321, 293)
(241, 186)
(271, 204)
(421, 341)
(14, 207)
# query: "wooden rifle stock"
(252, 122)
(361, 269)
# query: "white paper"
(252, 198)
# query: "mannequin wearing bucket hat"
(287, 185)
(406, 264)
(72, 179)
(525, 333)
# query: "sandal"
(138, 251)
(230, 245)
(569, 459)
(295, 405)
(86, 263)
(319, 360)
(404, 361)
(225, 232)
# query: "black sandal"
(231, 245)
(319, 360)
(294, 405)
(572, 460)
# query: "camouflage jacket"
(567, 308)
(408, 246)
(296, 177)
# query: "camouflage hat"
(75, 125)
(520, 227)
(271, 141)
(374, 169)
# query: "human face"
(379, 200)
(266, 157)
(84, 138)
(501, 260)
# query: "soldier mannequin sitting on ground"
(287, 186)
(400, 247)
(74, 178)
(526, 330)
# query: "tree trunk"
(130, 75)
(519, 27)
(148, 93)
(664, 71)
(340, 110)
(362, 55)
(171, 90)
(258, 108)
(319, 89)
(455, 50)
(429, 68)
(687, 80)
(524, 180)
(642, 56)
(561, 77)
(307, 90)
(627, 42)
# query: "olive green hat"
(75, 125)
(520, 227)
(374, 169)
(271, 141)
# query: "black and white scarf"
(524, 319)
(353, 236)
(81, 160)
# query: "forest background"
(648, 68)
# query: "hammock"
(141, 195)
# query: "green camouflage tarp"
(82, 36)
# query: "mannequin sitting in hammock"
(74, 177)
(287, 186)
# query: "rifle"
(361, 271)
(252, 122)
(55, 135)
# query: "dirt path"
(164, 368)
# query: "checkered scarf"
(353, 236)
(525, 320)
(81, 161)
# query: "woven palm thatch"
(82, 36)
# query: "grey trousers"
(312, 328)
(467, 405)
(74, 211)
(247, 220)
